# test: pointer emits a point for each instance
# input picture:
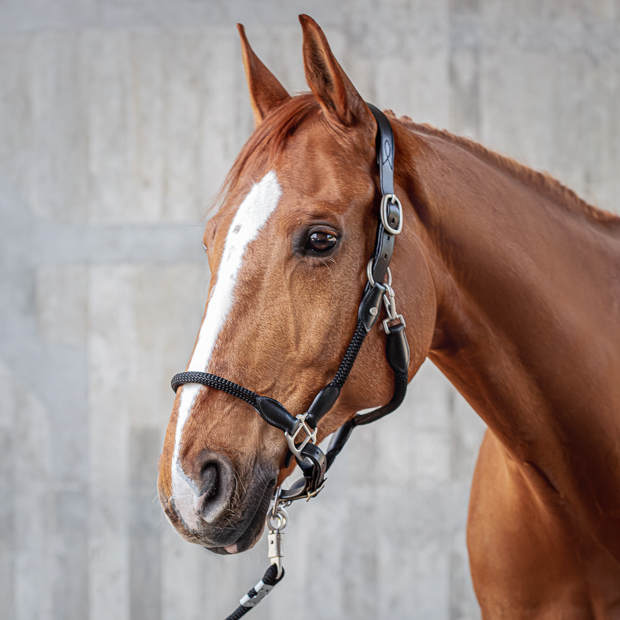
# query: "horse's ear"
(329, 83)
(266, 92)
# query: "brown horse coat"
(507, 281)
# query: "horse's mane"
(541, 181)
(269, 138)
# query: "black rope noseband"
(310, 458)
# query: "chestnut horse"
(508, 282)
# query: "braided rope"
(239, 612)
(349, 357)
(218, 383)
(401, 381)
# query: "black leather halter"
(310, 458)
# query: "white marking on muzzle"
(251, 216)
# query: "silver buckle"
(391, 199)
(310, 436)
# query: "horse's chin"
(240, 546)
(246, 541)
(252, 532)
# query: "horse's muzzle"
(211, 509)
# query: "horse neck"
(527, 304)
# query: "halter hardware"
(310, 437)
(392, 218)
(309, 457)
(389, 301)
(277, 518)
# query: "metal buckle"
(310, 436)
(300, 491)
(385, 201)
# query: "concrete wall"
(118, 121)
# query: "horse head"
(287, 251)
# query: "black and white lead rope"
(309, 457)
(277, 519)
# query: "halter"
(300, 431)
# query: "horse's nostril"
(208, 481)
(214, 478)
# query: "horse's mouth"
(251, 533)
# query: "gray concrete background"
(118, 121)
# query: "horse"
(508, 282)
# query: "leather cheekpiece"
(383, 254)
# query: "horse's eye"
(321, 241)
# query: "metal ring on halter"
(371, 280)
(280, 519)
(391, 199)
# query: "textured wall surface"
(118, 121)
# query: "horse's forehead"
(313, 169)
(319, 177)
(318, 154)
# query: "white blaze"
(251, 216)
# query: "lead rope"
(277, 518)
